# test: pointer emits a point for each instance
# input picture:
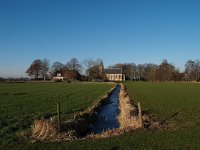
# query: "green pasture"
(161, 99)
(22, 103)
(166, 99)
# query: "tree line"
(87, 70)
(163, 72)
(91, 69)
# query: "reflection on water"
(107, 115)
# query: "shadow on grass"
(115, 148)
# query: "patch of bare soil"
(153, 123)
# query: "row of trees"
(93, 70)
(163, 72)
(89, 68)
(150, 72)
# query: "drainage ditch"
(107, 114)
(111, 116)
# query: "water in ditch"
(107, 114)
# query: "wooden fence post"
(58, 115)
(140, 114)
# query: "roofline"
(115, 68)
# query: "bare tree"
(39, 68)
(151, 72)
(94, 69)
(74, 64)
(165, 71)
(141, 71)
(44, 68)
(35, 69)
(133, 68)
(57, 66)
(197, 70)
(88, 63)
(190, 69)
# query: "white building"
(58, 77)
(114, 74)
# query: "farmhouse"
(58, 77)
(114, 74)
(71, 75)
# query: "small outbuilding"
(69, 75)
(58, 77)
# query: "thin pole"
(58, 113)
(140, 113)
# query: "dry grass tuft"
(128, 118)
(45, 130)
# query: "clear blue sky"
(123, 31)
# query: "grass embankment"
(21, 104)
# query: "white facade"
(114, 74)
(115, 77)
(58, 77)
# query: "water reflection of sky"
(107, 115)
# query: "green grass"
(22, 103)
(165, 99)
(129, 141)
(162, 99)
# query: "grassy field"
(22, 103)
(165, 99)
(162, 99)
